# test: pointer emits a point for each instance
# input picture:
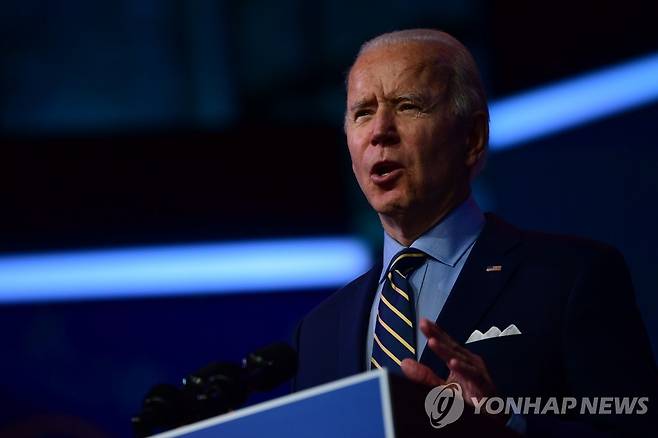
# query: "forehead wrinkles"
(397, 74)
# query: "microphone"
(161, 410)
(270, 366)
(215, 389)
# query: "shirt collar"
(446, 241)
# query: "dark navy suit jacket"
(572, 299)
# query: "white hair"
(466, 90)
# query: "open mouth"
(385, 173)
(385, 168)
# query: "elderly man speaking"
(461, 296)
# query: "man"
(417, 132)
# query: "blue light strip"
(551, 109)
(283, 265)
(274, 265)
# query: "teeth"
(385, 173)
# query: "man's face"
(407, 150)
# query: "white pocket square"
(493, 332)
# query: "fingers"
(474, 379)
(432, 330)
(442, 344)
(465, 369)
(420, 373)
(445, 351)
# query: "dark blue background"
(136, 122)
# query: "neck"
(408, 226)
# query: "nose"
(384, 129)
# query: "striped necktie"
(395, 334)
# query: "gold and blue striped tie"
(395, 332)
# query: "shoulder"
(557, 249)
(346, 295)
(335, 325)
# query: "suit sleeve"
(606, 352)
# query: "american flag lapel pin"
(494, 268)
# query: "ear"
(477, 136)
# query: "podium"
(373, 404)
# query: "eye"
(409, 106)
(359, 114)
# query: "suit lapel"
(476, 290)
(353, 322)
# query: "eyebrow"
(361, 103)
(413, 96)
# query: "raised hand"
(466, 368)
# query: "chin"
(388, 205)
(389, 201)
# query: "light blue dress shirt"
(448, 245)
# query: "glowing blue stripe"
(209, 268)
(306, 263)
(572, 102)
